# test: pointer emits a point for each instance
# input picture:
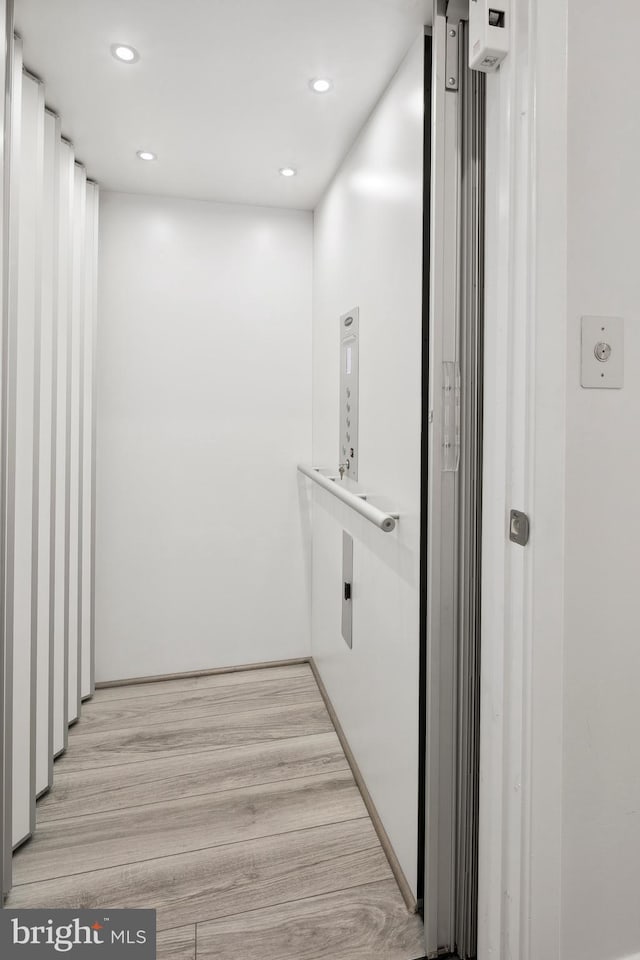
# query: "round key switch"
(602, 351)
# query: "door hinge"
(457, 10)
(450, 416)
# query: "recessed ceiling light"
(146, 155)
(124, 53)
(320, 85)
(287, 172)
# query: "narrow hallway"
(226, 803)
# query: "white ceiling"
(221, 92)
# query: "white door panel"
(25, 501)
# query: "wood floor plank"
(193, 736)
(105, 716)
(359, 924)
(177, 826)
(75, 794)
(160, 802)
(212, 883)
(131, 691)
(176, 944)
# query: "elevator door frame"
(450, 574)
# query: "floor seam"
(173, 756)
(200, 753)
(79, 732)
(182, 853)
(315, 896)
(188, 796)
(283, 903)
(195, 796)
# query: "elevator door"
(452, 443)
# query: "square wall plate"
(602, 366)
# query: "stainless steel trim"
(454, 509)
(384, 521)
(441, 509)
(349, 445)
(472, 84)
(347, 589)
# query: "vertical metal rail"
(424, 464)
(471, 369)
(453, 478)
(441, 555)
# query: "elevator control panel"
(602, 348)
(349, 342)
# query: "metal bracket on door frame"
(519, 527)
(457, 10)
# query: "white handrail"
(357, 502)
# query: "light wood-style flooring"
(226, 803)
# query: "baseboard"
(21, 843)
(201, 673)
(394, 863)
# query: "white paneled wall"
(27, 278)
(87, 515)
(61, 444)
(50, 325)
(44, 448)
(75, 441)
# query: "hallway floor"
(226, 803)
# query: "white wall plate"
(602, 364)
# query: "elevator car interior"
(319, 521)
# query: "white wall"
(560, 805)
(368, 253)
(204, 408)
(601, 782)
